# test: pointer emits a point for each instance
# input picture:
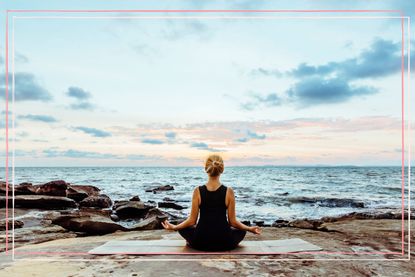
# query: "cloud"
(175, 30)
(266, 72)
(81, 96)
(382, 58)
(71, 153)
(27, 88)
(82, 106)
(170, 135)
(269, 100)
(38, 117)
(203, 146)
(140, 157)
(332, 82)
(78, 93)
(152, 141)
(251, 135)
(316, 90)
(94, 132)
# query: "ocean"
(262, 193)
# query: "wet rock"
(135, 198)
(88, 223)
(114, 217)
(100, 201)
(40, 202)
(52, 188)
(259, 223)
(150, 223)
(168, 199)
(17, 224)
(328, 202)
(23, 188)
(170, 205)
(160, 188)
(156, 212)
(246, 222)
(75, 194)
(305, 224)
(88, 189)
(280, 223)
(131, 209)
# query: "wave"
(328, 202)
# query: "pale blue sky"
(167, 91)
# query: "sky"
(167, 89)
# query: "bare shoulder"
(229, 191)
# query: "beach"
(350, 235)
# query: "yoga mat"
(178, 247)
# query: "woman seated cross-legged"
(214, 230)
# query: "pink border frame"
(207, 11)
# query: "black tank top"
(212, 230)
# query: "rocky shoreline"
(58, 209)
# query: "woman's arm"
(191, 220)
(230, 197)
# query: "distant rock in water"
(100, 201)
(170, 205)
(168, 199)
(328, 202)
(160, 188)
(135, 198)
(40, 202)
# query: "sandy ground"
(345, 236)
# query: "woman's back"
(212, 230)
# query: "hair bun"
(214, 165)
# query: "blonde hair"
(214, 165)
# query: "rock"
(280, 223)
(75, 194)
(88, 189)
(22, 188)
(17, 224)
(160, 188)
(259, 223)
(156, 212)
(131, 209)
(246, 222)
(135, 198)
(114, 217)
(305, 224)
(328, 202)
(150, 223)
(170, 205)
(167, 199)
(52, 188)
(100, 201)
(40, 201)
(88, 223)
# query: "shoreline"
(57, 210)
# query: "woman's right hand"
(255, 229)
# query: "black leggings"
(237, 236)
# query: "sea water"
(262, 193)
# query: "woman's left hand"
(168, 226)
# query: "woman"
(214, 232)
